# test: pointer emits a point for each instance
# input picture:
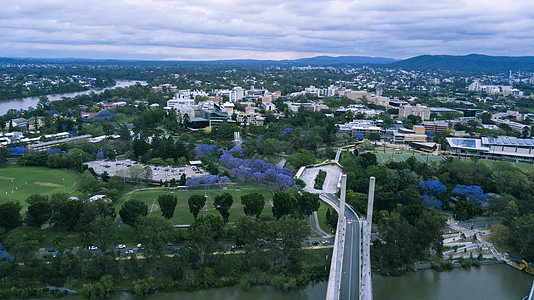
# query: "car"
(139, 246)
(118, 164)
(315, 243)
(170, 244)
(326, 243)
(121, 246)
(177, 249)
(52, 250)
(130, 251)
(92, 248)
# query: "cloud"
(229, 29)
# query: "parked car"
(52, 250)
(139, 246)
(121, 246)
(93, 248)
(130, 251)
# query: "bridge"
(350, 268)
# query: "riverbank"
(26, 102)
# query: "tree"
(283, 204)
(136, 173)
(331, 218)
(253, 204)
(292, 233)
(167, 203)
(308, 203)
(132, 210)
(196, 203)
(10, 216)
(222, 204)
(100, 232)
(4, 155)
(154, 234)
(464, 210)
(203, 233)
(39, 210)
(88, 183)
(367, 159)
(70, 212)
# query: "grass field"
(18, 183)
(182, 214)
(495, 164)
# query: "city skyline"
(274, 30)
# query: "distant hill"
(312, 61)
(474, 63)
(343, 60)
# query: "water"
(487, 282)
(24, 103)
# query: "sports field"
(182, 214)
(18, 183)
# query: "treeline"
(410, 194)
(270, 250)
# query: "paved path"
(314, 222)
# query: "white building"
(418, 110)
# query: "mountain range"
(473, 63)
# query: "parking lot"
(164, 173)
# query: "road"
(351, 258)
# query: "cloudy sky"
(268, 29)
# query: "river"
(24, 103)
(487, 282)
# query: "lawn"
(182, 214)
(17, 183)
(493, 164)
(321, 215)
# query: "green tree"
(464, 210)
(136, 173)
(222, 204)
(70, 212)
(196, 203)
(292, 233)
(331, 218)
(283, 204)
(100, 232)
(132, 210)
(154, 234)
(253, 204)
(88, 183)
(167, 203)
(308, 203)
(4, 155)
(203, 239)
(10, 216)
(39, 210)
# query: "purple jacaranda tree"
(472, 193)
